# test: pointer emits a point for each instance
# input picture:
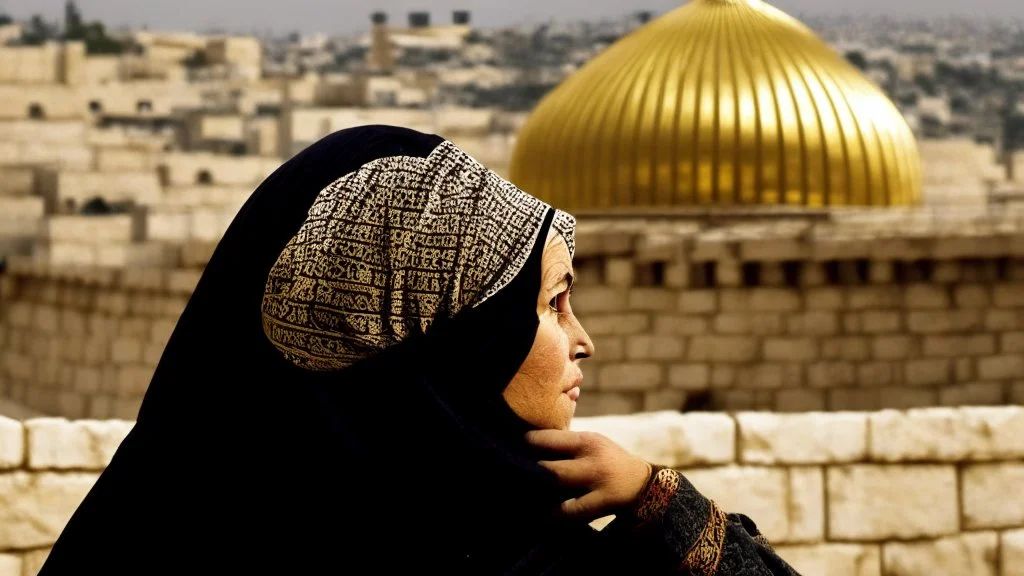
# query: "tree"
(74, 28)
(857, 58)
(38, 31)
(5, 20)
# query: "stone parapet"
(892, 493)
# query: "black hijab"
(241, 461)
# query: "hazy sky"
(342, 16)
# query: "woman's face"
(545, 389)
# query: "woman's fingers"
(577, 472)
(557, 440)
(586, 507)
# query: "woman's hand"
(613, 476)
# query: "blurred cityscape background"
(800, 235)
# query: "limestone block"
(879, 322)
(948, 434)
(168, 227)
(833, 559)
(853, 348)
(806, 505)
(770, 376)
(990, 495)
(880, 374)
(907, 398)
(881, 272)
(760, 493)
(594, 403)
(92, 229)
(928, 372)
(34, 508)
(874, 503)
(734, 300)
(679, 325)
(698, 302)
(799, 400)
(617, 324)
(661, 400)
(87, 379)
(133, 380)
(972, 296)
(33, 561)
(831, 374)
(10, 565)
(12, 443)
(892, 347)
(183, 281)
(791, 349)
(631, 377)
(728, 273)
(1008, 295)
(161, 330)
(1001, 367)
(774, 300)
(1012, 343)
(815, 323)
(1012, 557)
(19, 315)
(973, 553)
(941, 321)
(813, 438)
(946, 272)
(620, 272)
(926, 296)
(58, 443)
(874, 297)
(642, 347)
(995, 320)
(113, 303)
(824, 299)
(689, 376)
(723, 349)
(606, 348)
(677, 274)
(972, 394)
(134, 328)
(669, 438)
(747, 323)
(592, 299)
(958, 346)
(126, 351)
(652, 299)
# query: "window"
(95, 107)
(204, 177)
(36, 112)
(145, 106)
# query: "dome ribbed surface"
(718, 103)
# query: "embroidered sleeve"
(696, 536)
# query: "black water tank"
(379, 18)
(460, 17)
(419, 19)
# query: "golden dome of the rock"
(718, 103)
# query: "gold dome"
(718, 103)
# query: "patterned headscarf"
(390, 248)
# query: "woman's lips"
(574, 393)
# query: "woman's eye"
(554, 304)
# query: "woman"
(375, 374)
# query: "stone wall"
(800, 315)
(891, 493)
(84, 342)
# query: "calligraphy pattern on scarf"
(393, 246)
